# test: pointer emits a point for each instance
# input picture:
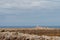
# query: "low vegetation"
(29, 34)
(48, 32)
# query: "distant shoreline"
(28, 26)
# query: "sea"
(28, 26)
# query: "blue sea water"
(28, 26)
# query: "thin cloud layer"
(20, 6)
(24, 4)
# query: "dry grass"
(29, 34)
(22, 36)
(48, 32)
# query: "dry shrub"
(2, 30)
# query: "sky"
(29, 12)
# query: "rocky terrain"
(29, 34)
(36, 31)
(22, 36)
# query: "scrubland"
(29, 34)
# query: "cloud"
(18, 3)
(22, 4)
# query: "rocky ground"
(36, 31)
(22, 36)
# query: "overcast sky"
(30, 12)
